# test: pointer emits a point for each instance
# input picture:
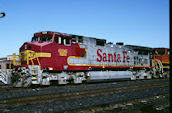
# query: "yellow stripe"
(41, 54)
(79, 45)
(166, 67)
(166, 62)
(30, 55)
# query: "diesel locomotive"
(54, 57)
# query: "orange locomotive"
(162, 55)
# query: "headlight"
(44, 32)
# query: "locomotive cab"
(59, 38)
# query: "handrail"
(157, 65)
(30, 56)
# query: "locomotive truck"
(60, 58)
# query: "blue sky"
(134, 22)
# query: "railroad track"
(83, 94)
(16, 103)
(10, 88)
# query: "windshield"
(42, 39)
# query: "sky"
(134, 22)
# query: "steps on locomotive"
(35, 73)
(4, 78)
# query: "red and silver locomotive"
(66, 58)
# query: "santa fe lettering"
(109, 57)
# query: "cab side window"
(74, 40)
(64, 40)
(67, 41)
(80, 39)
(56, 39)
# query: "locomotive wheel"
(16, 80)
(18, 83)
(26, 81)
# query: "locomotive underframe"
(24, 77)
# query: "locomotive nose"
(27, 46)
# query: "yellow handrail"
(32, 66)
(39, 63)
(14, 59)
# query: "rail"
(37, 99)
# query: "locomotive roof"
(135, 47)
(87, 37)
(162, 48)
(52, 32)
(140, 47)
